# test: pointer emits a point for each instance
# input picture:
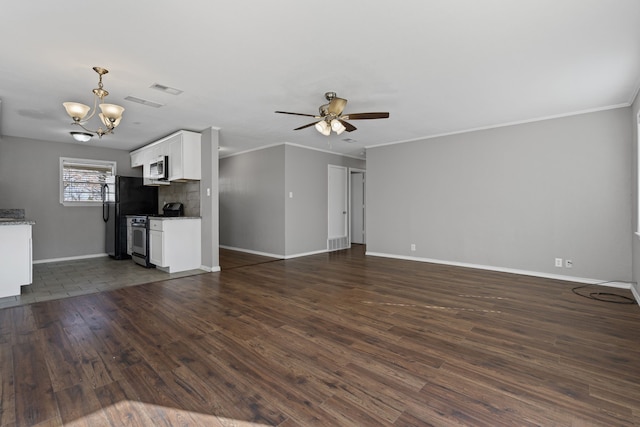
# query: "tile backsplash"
(187, 193)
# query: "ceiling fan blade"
(363, 116)
(298, 114)
(348, 126)
(306, 126)
(336, 106)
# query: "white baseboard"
(210, 269)
(636, 292)
(279, 256)
(72, 258)
(612, 284)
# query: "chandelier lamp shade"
(110, 114)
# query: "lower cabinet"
(174, 244)
(156, 253)
(16, 265)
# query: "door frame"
(364, 199)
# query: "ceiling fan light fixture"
(110, 115)
(337, 127)
(81, 136)
(332, 117)
(323, 127)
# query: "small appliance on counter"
(173, 209)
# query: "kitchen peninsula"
(15, 251)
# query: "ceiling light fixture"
(81, 136)
(337, 126)
(110, 115)
(323, 127)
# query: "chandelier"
(110, 115)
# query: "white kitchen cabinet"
(174, 243)
(16, 263)
(156, 251)
(184, 157)
(138, 158)
(183, 150)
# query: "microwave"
(159, 168)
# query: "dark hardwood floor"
(335, 339)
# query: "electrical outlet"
(413, 247)
(568, 263)
(558, 262)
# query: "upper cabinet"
(183, 151)
(184, 157)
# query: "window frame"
(88, 162)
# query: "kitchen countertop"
(16, 221)
(171, 218)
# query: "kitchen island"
(16, 262)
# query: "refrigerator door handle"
(105, 206)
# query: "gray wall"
(29, 179)
(306, 176)
(252, 211)
(513, 197)
(256, 213)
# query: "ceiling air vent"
(144, 102)
(166, 89)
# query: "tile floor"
(65, 279)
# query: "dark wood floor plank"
(79, 406)
(35, 402)
(121, 406)
(63, 364)
(24, 326)
(7, 386)
(97, 370)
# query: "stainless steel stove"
(140, 240)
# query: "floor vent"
(337, 243)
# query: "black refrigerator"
(122, 196)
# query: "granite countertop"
(16, 221)
(14, 217)
(171, 218)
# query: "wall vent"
(144, 101)
(337, 243)
(166, 89)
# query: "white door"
(357, 208)
(338, 228)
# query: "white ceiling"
(437, 66)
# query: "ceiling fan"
(331, 117)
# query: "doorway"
(346, 207)
(338, 232)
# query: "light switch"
(208, 192)
(291, 194)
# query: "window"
(81, 181)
